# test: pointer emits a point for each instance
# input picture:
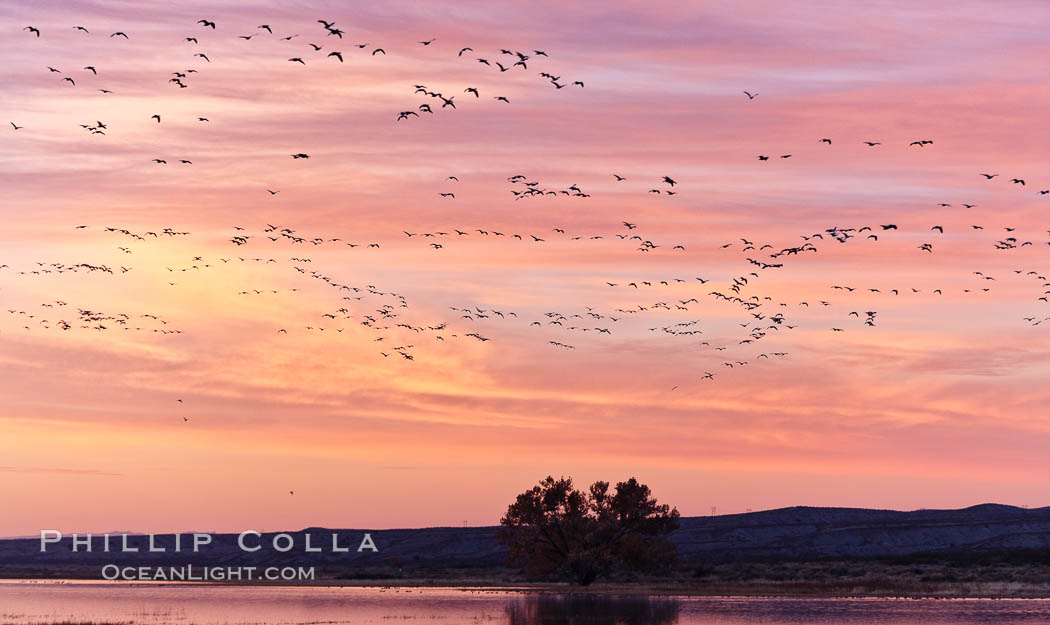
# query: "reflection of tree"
(592, 610)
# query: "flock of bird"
(383, 315)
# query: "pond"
(38, 603)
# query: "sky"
(387, 413)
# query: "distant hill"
(805, 532)
(797, 533)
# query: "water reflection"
(593, 610)
(166, 604)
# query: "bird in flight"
(532, 188)
(33, 30)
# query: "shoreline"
(759, 589)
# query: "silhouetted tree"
(554, 530)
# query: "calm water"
(36, 603)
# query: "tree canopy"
(554, 530)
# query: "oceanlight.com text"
(191, 573)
